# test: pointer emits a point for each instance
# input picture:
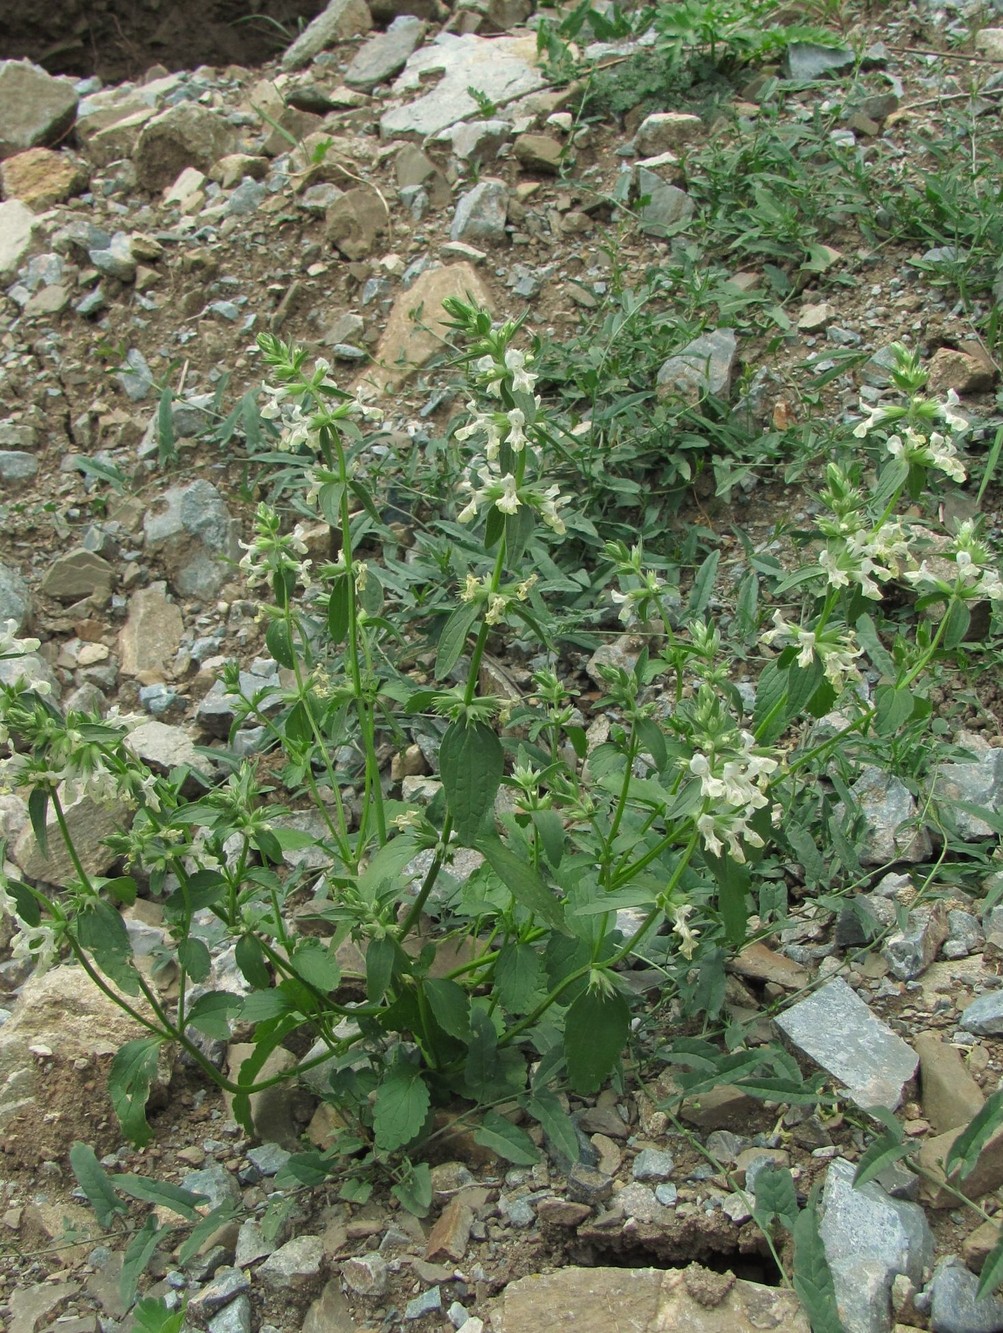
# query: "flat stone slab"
(835, 1028)
(502, 68)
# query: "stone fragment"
(116, 260)
(89, 822)
(191, 531)
(758, 962)
(294, 1265)
(40, 177)
(816, 317)
(36, 1307)
(979, 782)
(964, 372)
(330, 1312)
(979, 1244)
(341, 20)
(889, 809)
(950, 1095)
(151, 635)
(406, 343)
(426, 1303)
(17, 222)
(502, 69)
(48, 1101)
(449, 1236)
(989, 43)
(807, 62)
(582, 1300)
(723, 1107)
(16, 466)
(869, 1239)
(909, 952)
(163, 747)
(366, 1274)
(227, 1283)
(664, 207)
(78, 573)
(233, 1318)
(704, 366)
(386, 54)
(15, 599)
(185, 135)
(35, 108)
(278, 1113)
(481, 213)
(539, 152)
(984, 1016)
(667, 132)
(414, 168)
(986, 1175)
(356, 221)
(955, 1306)
(837, 1030)
(653, 1164)
(480, 139)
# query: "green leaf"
(470, 765)
(26, 901)
(652, 739)
(101, 931)
(518, 977)
(595, 1033)
(95, 1183)
(305, 1168)
(151, 1315)
(250, 959)
(38, 808)
(775, 1197)
(992, 1271)
(884, 1150)
(812, 1277)
(453, 638)
(339, 610)
(317, 965)
(703, 586)
(746, 604)
(415, 1190)
(123, 889)
(204, 1228)
(138, 1254)
(380, 955)
(525, 884)
(733, 880)
(129, 1081)
(967, 1147)
(386, 866)
(892, 708)
(957, 625)
(195, 958)
(166, 437)
(490, 1072)
(545, 1107)
(869, 640)
(550, 827)
(267, 1038)
(506, 1140)
(210, 1014)
(264, 1005)
(806, 850)
(402, 1101)
(450, 1004)
(161, 1194)
(279, 643)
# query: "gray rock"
(190, 529)
(356, 221)
(217, 1183)
(587, 1185)
(386, 54)
(247, 198)
(186, 135)
(478, 138)
(910, 952)
(217, 711)
(163, 747)
(869, 1239)
(667, 132)
(233, 1318)
(15, 599)
(954, 1306)
(984, 1016)
(135, 376)
(17, 222)
(638, 1201)
(652, 1164)
(481, 213)
(835, 1028)
(35, 108)
(17, 466)
(116, 261)
(978, 783)
(269, 1158)
(78, 573)
(807, 62)
(889, 808)
(704, 366)
(151, 635)
(502, 69)
(341, 20)
(964, 935)
(293, 1265)
(667, 1195)
(226, 1285)
(252, 1245)
(429, 1302)
(366, 1274)
(664, 206)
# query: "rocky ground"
(148, 231)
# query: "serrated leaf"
(775, 1197)
(518, 977)
(95, 1182)
(160, 1193)
(506, 1140)
(812, 1276)
(450, 1004)
(210, 1014)
(151, 1315)
(453, 638)
(304, 1168)
(195, 958)
(471, 763)
(317, 965)
(379, 967)
(967, 1147)
(101, 931)
(129, 1081)
(545, 1107)
(138, 1254)
(415, 1190)
(250, 959)
(402, 1102)
(525, 884)
(264, 1005)
(595, 1033)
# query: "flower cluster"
(933, 451)
(856, 550)
(834, 646)
(965, 573)
(273, 554)
(734, 778)
(513, 368)
(498, 602)
(506, 494)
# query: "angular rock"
(356, 221)
(481, 213)
(17, 222)
(837, 1030)
(15, 599)
(17, 466)
(35, 108)
(233, 1318)
(186, 135)
(964, 372)
(40, 178)
(984, 1015)
(950, 1095)
(584, 1299)
(330, 1312)
(339, 21)
(294, 1265)
(502, 69)
(163, 747)
(278, 1113)
(366, 1274)
(386, 54)
(667, 132)
(89, 822)
(955, 1306)
(407, 344)
(539, 152)
(78, 573)
(704, 366)
(48, 1101)
(36, 1307)
(116, 260)
(989, 42)
(664, 206)
(151, 635)
(986, 1175)
(910, 952)
(449, 1236)
(760, 963)
(807, 62)
(869, 1239)
(189, 528)
(890, 811)
(979, 782)
(477, 138)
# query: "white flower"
(875, 415)
(687, 935)
(508, 502)
(497, 606)
(955, 420)
(516, 434)
(12, 646)
(515, 363)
